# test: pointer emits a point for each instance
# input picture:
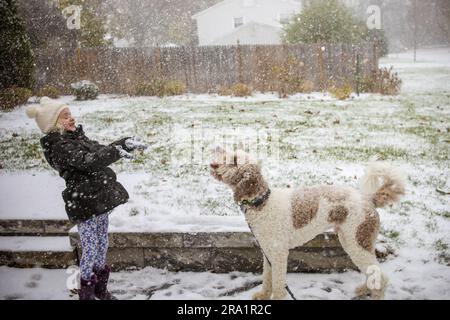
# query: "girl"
(92, 190)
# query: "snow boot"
(87, 288)
(101, 290)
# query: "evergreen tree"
(325, 21)
(17, 65)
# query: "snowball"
(31, 112)
(123, 153)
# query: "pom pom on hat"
(31, 112)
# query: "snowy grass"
(319, 139)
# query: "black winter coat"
(91, 186)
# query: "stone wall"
(216, 252)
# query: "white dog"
(282, 219)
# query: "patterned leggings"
(94, 244)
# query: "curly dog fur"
(291, 217)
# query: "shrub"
(306, 86)
(294, 85)
(174, 88)
(84, 90)
(288, 78)
(366, 84)
(325, 21)
(160, 88)
(48, 91)
(280, 80)
(13, 97)
(341, 93)
(383, 81)
(224, 91)
(237, 90)
(241, 90)
(153, 87)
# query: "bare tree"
(156, 22)
(443, 18)
(420, 21)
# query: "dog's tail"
(383, 183)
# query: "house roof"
(195, 16)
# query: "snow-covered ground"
(407, 281)
(313, 138)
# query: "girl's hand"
(134, 144)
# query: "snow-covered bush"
(85, 90)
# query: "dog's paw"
(365, 297)
(364, 293)
(377, 294)
(362, 290)
(262, 295)
(280, 296)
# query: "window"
(239, 21)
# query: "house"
(246, 21)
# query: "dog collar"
(256, 202)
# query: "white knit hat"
(46, 113)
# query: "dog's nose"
(214, 165)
